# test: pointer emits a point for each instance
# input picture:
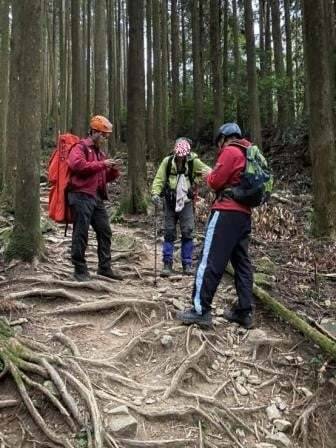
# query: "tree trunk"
(197, 71)
(55, 75)
(111, 49)
(175, 50)
(262, 59)
(100, 100)
(253, 95)
(77, 94)
(268, 66)
(88, 61)
(84, 33)
(25, 242)
(225, 55)
(62, 66)
(13, 108)
(236, 52)
(164, 49)
(184, 58)
(4, 78)
(322, 131)
(216, 63)
(149, 112)
(279, 66)
(289, 61)
(136, 108)
(117, 113)
(157, 72)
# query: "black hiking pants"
(226, 239)
(88, 210)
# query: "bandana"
(182, 148)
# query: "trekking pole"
(155, 243)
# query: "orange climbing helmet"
(100, 124)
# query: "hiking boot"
(242, 318)
(82, 276)
(167, 270)
(190, 316)
(187, 269)
(109, 273)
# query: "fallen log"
(291, 317)
(325, 343)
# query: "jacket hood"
(242, 143)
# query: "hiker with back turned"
(90, 172)
(174, 182)
(240, 180)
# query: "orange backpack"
(59, 177)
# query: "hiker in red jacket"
(90, 172)
(227, 236)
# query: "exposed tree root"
(129, 383)
(8, 403)
(187, 363)
(133, 342)
(97, 285)
(68, 343)
(173, 443)
(32, 409)
(117, 319)
(101, 305)
(302, 426)
(22, 360)
(50, 293)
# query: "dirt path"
(226, 387)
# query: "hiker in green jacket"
(174, 182)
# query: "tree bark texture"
(322, 131)
(279, 66)
(78, 124)
(136, 108)
(26, 238)
(100, 69)
(289, 61)
(149, 103)
(197, 70)
(157, 73)
(253, 94)
(4, 78)
(175, 57)
(13, 107)
(164, 49)
(216, 62)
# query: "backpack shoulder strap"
(168, 167)
(191, 171)
(83, 146)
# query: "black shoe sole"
(197, 322)
(81, 280)
(239, 322)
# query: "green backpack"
(256, 181)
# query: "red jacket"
(229, 165)
(88, 172)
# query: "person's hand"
(205, 174)
(156, 200)
(109, 163)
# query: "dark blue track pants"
(226, 239)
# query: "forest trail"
(182, 386)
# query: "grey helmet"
(228, 129)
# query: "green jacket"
(159, 181)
